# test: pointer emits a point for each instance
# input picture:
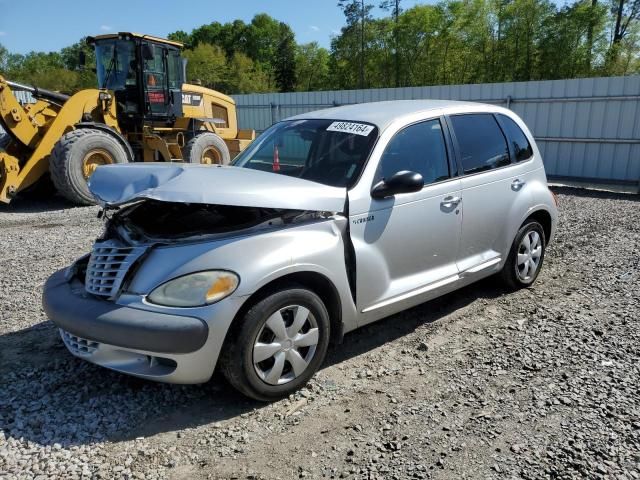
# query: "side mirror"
(401, 182)
(147, 51)
(82, 59)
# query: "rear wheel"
(525, 257)
(207, 148)
(76, 156)
(278, 346)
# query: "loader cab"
(145, 74)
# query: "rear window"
(481, 141)
(519, 143)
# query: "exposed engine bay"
(157, 221)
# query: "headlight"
(195, 289)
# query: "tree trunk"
(592, 26)
(396, 14)
(362, 45)
(617, 32)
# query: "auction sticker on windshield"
(351, 127)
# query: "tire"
(68, 162)
(279, 308)
(207, 148)
(518, 275)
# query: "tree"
(245, 76)
(4, 56)
(394, 6)
(357, 14)
(312, 67)
(180, 36)
(71, 61)
(285, 60)
(208, 64)
(626, 12)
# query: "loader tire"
(207, 148)
(75, 157)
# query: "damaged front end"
(148, 207)
(152, 221)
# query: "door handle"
(450, 201)
(517, 184)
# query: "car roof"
(382, 114)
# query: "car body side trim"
(419, 291)
(482, 266)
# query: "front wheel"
(76, 156)
(278, 345)
(525, 257)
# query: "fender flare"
(117, 135)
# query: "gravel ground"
(541, 383)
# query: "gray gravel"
(541, 383)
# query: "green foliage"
(4, 56)
(476, 41)
(448, 42)
(312, 67)
(245, 76)
(284, 60)
(207, 64)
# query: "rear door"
(406, 245)
(490, 186)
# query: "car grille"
(108, 265)
(78, 345)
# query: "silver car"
(328, 221)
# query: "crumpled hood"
(114, 185)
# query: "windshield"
(115, 64)
(331, 152)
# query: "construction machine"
(141, 111)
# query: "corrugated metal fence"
(587, 129)
(23, 97)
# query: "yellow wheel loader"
(141, 111)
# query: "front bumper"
(72, 310)
(136, 340)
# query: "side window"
(174, 69)
(154, 68)
(482, 144)
(521, 146)
(418, 148)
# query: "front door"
(406, 245)
(162, 76)
(175, 80)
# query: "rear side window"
(521, 147)
(418, 148)
(482, 143)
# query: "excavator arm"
(35, 129)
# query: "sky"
(43, 25)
